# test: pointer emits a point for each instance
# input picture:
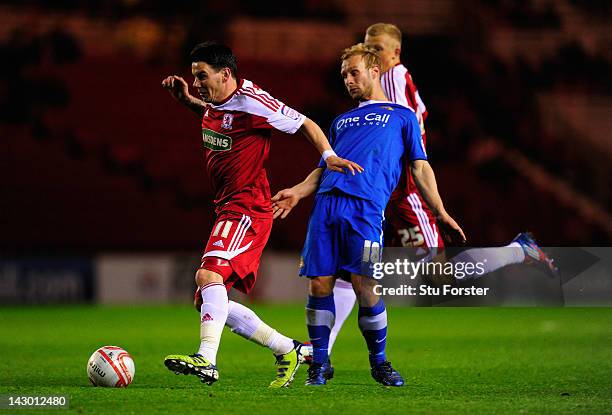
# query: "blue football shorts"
(345, 235)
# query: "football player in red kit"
(237, 119)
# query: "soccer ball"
(111, 366)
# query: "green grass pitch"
(454, 360)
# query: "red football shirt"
(236, 137)
(398, 86)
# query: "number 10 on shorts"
(371, 252)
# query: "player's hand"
(283, 202)
(177, 87)
(451, 229)
(335, 163)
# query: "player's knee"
(357, 289)
(364, 290)
(204, 277)
(321, 286)
(367, 298)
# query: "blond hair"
(368, 54)
(389, 29)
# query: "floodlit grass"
(455, 360)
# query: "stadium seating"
(119, 163)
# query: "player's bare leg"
(373, 326)
(320, 316)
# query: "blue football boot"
(306, 357)
(328, 370)
(385, 374)
(316, 375)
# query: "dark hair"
(216, 55)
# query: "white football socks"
(492, 259)
(213, 316)
(344, 300)
(244, 322)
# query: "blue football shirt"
(377, 136)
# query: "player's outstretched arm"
(178, 88)
(315, 135)
(425, 180)
(287, 199)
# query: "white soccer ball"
(111, 366)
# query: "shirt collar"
(364, 103)
(239, 85)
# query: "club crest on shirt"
(228, 120)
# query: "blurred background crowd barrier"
(156, 278)
(102, 171)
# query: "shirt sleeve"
(413, 141)
(270, 112)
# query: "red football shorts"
(411, 224)
(234, 249)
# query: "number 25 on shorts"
(411, 237)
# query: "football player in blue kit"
(345, 231)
